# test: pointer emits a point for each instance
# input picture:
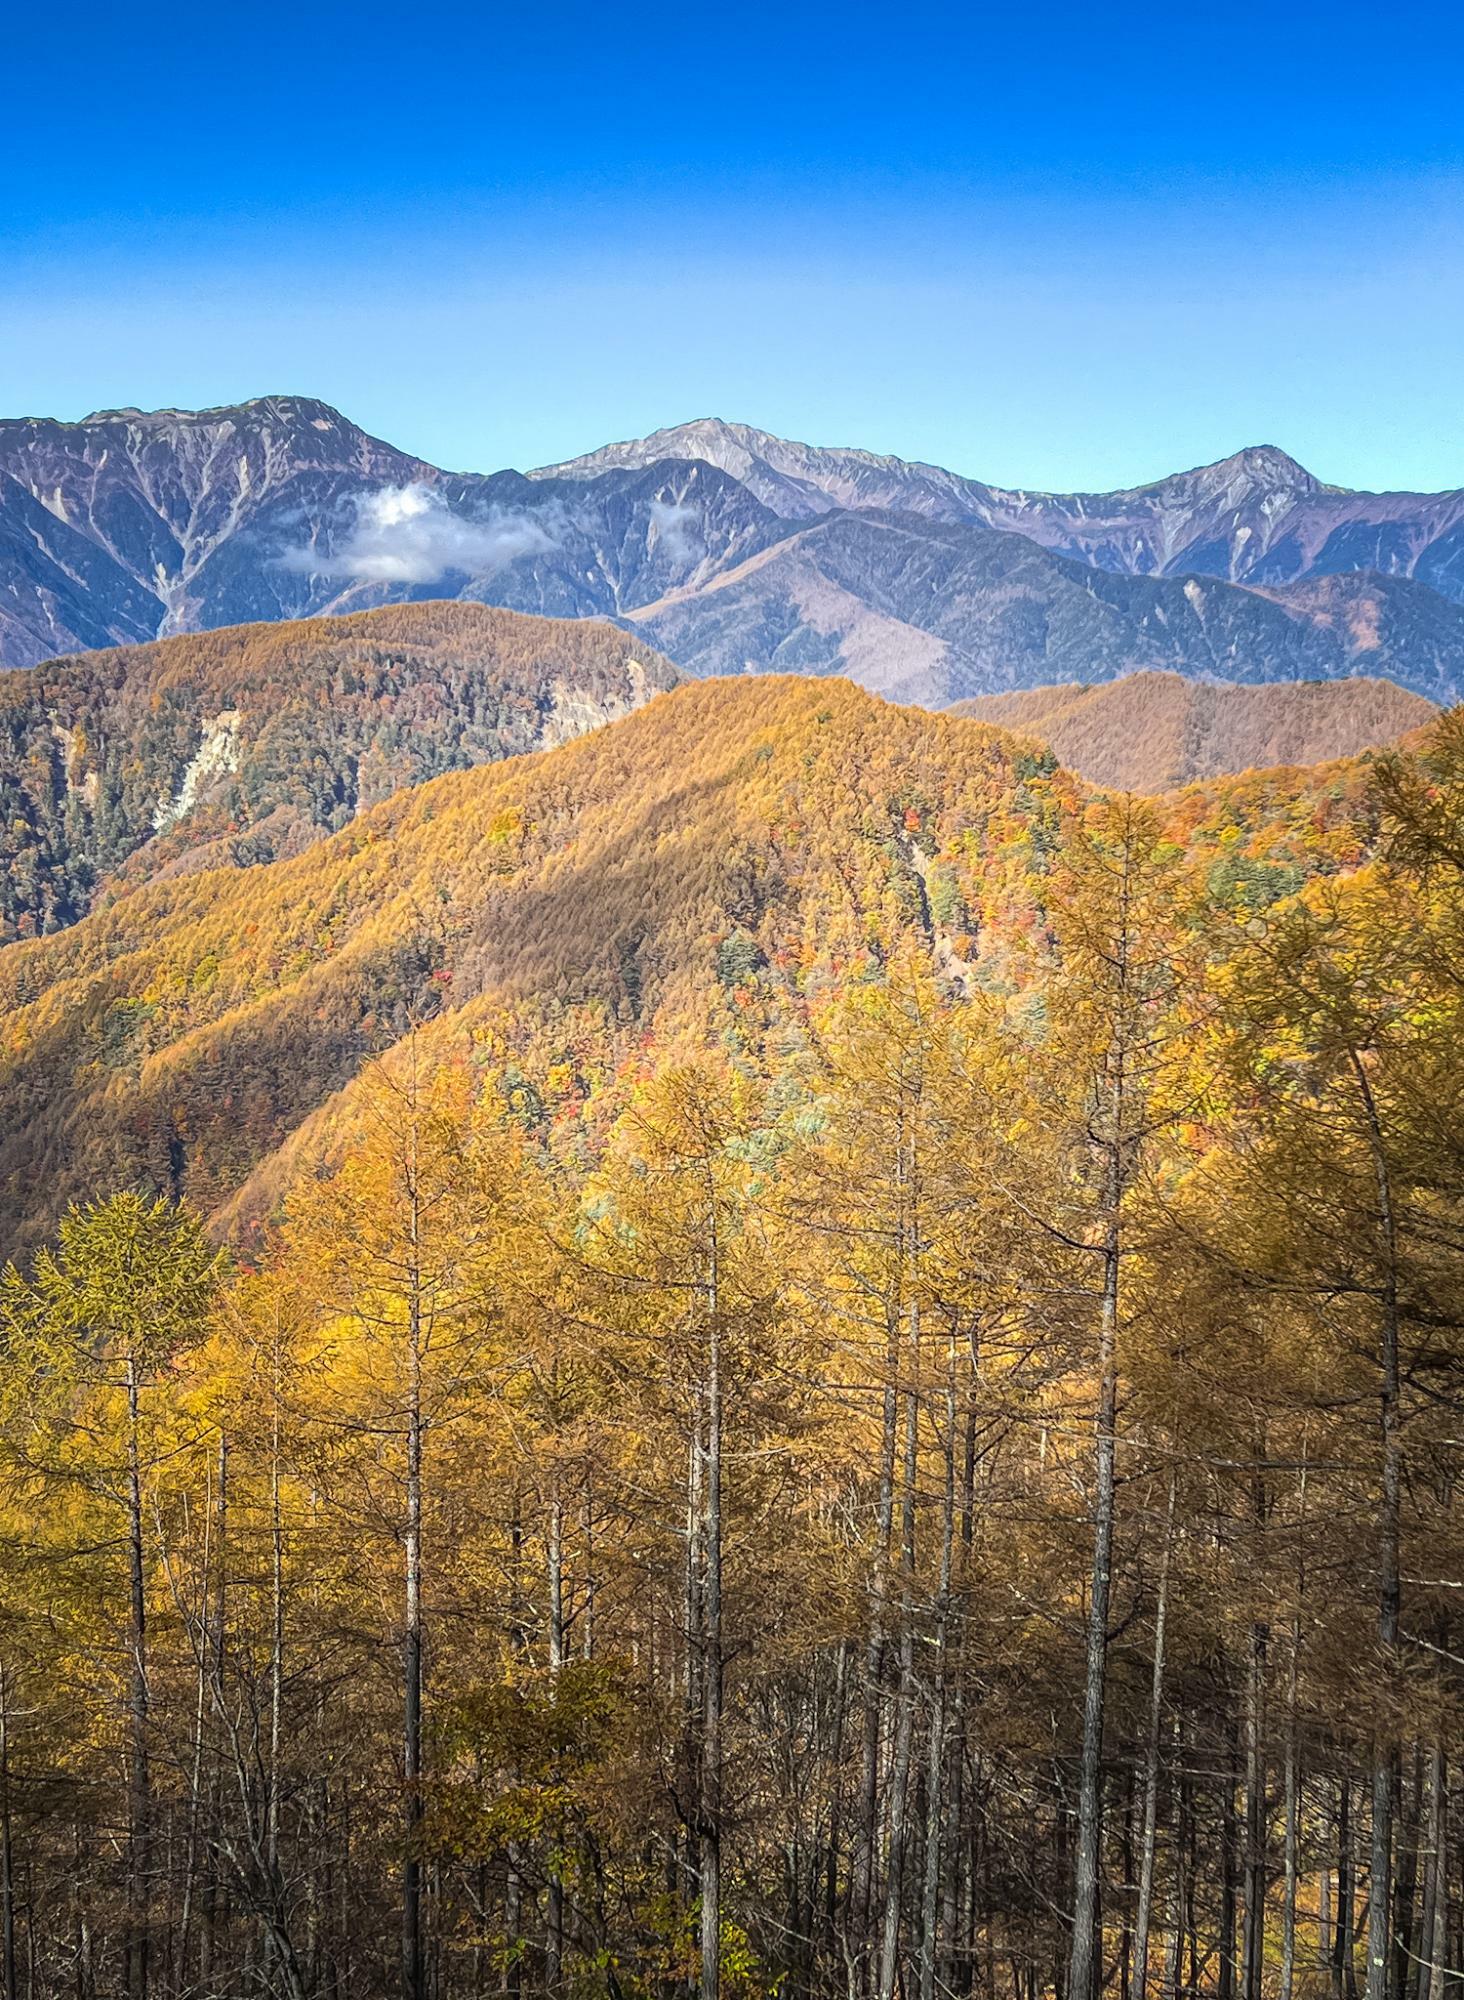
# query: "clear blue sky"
(1049, 245)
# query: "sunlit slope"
(1150, 732)
(244, 745)
(699, 867)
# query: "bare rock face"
(129, 525)
(731, 549)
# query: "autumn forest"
(780, 1351)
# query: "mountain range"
(729, 550)
(1257, 517)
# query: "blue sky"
(1059, 246)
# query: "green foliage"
(1242, 881)
(130, 1275)
(739, 959)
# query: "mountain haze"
(934, 611)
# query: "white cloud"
(409, 534)
(678, 529)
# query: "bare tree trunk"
(936, 1753)
(862, 1898)
(1405, 1873)
(1380, 1886)
(214, 1909)
(200, 1711)
(1229, 1860)
(1254, 1924)
(1174, 1961)
(413, 1958)
(710, 1813)
(276, 1651)
(959, 1969)
(1291, 1852)
(905, 1726)
(1344, 1968)
(513, 1886)
(587, 1608)
(835, 1799)
(139, 1780)
(7, 1848)
(554, 1936)
(1151, 1760)
(1082, 1980)
(1433, 1952)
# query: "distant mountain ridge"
(1255, 517)
(1153, 732)
(935, 611)
(730, 549)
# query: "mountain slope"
(234, 747)
(1152, 731)
(698, 869)
(1256, 518)
(935, 611)
(132, 525)
(798, 481)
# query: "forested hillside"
(1151, 732)
(234, 747)
(773, 1352)
(703, 865)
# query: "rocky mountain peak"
(1257, 472)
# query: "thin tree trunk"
(413, 1958)
(710, 1803)
(1433, 1955)
(905, 1726)
(1344, 1975)
(139, 1782)
(1151, 1759)
(554, 1936)
(1082, 1979)
(862, 1898)
(513, 1887)
(7, 1848)
(936, 1752)
(1084, 1967)
(1254, 1906)
(1291, 1837)
(200, 1710)
(1380, 1885)
(1229, 1863)
(276, 1652)
(1406, 1876)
